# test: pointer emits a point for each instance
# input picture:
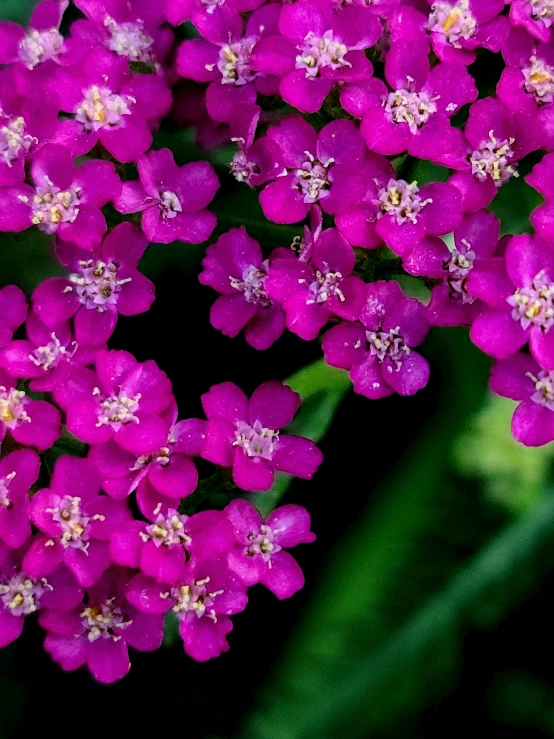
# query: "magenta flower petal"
(297, 456)
(291, 524)
(498, 334)
(281, 203)
(284, 578)
(532, 424)
(108, 660)
(11, 627)
(226, 401)
(273, 404)
(250, 473)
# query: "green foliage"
(17, 11)
(27, 259)
(514, 475)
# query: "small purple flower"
(100, 286)
(131, 29)
(35, 423)
(320, 46)
(47, 356)
(65, 201)
(169, 470)
(329, 168)
(24, 127)
(234, 266)
(19, 471)
(415, 115)
(99, 632)
(172, 198)
(535, 16)
(76, 522)
(459, 27)
(378, 351)
(317, 285)
(258, 554)
(13, 312)
(475, 238)
(518, 290)
(162, 548)
(122, 400)
(202, 600)
(527, 82)
(109, 106)
(227, 64)
(521, 378)
(21, 594)
(40, 43)
(244, 434)
(496, 141)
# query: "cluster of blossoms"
(328, 105)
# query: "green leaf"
(27, 259)
(321, 388)
(415, 664)
(513, 203)
(514, 475)
(17, 11)
(242, 208)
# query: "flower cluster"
(336, 111)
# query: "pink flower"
(122, 399)
(99, 632)
(162, 548)
(227, 62)
(329, 168)
(317, 285)
(320, 45)
(110, 106)
(22, 595)
(235, 267)
(133, 29)
(169, 470)
(76, 522)
(259, 554)
(24, 126)
(35, 423)
(47, 356)
(202, 600)
(172, 198)
(100, 285)
(65, 201)
(244, 434)
(378, 351)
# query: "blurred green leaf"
(514, 475)
(518, 698)
(18, 11)
(416, 663)
(242, 208)
(321, 388)
(513, 203)
(27, 259)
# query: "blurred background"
(427, 608)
